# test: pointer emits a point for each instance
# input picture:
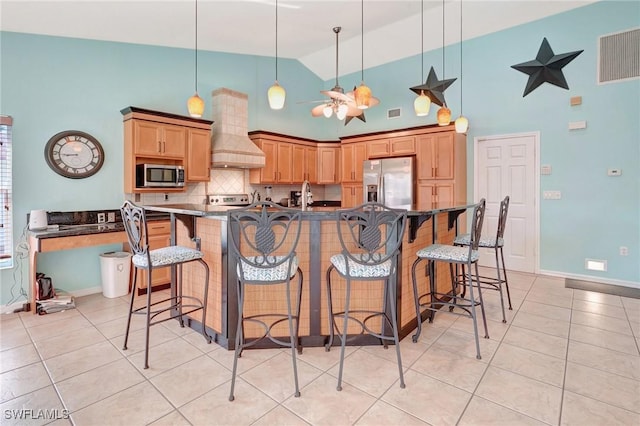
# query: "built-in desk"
(206, 227)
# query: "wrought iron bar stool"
(264, 238)
(370, 238)
(496, 243)
(453, 255)
(135, 224)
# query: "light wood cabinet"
(400, 146)
(328, 164)
(353, 155)
(159, 236)
(288, 160)
(432, 194)
(436, 153)
(352, 195)
(379, 148)
(163, 138)
(198, 157)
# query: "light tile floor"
(564, 357)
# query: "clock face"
(74, 154)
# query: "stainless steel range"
(229, 200)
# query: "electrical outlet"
(111, 217)
(101, 218)
(624, 251)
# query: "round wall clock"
(74, 154)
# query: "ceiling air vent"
(619, 56)
(394, 113)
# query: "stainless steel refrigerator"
(390, 181)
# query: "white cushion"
(361, 270)
(489, 242)
(274, 274)
(166, 256)
(447, 253)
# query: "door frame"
(536, 198)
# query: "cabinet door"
(198, 156)
(268, 172)
(360, 155)
(147, 137)
(379, 148)
(434, 194)
(444, 156)
(402, 145)
(174, 141)
(328, 163)
(284, 163)
(352, 195)
(298, 169)
(311, 162)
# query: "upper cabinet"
(436, 152)
(328, 163)
(353, 155)
(163, 138)
(288, 160)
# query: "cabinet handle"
(433, 171)
(159, 146)
(164, 146)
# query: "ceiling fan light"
(363, 96)
(462, 124)
(327, 111)
(422, 104)
(195, 106)
(444, 116)
(342, 111)
(276, 95)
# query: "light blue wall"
(50, 84)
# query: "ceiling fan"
(339, 103)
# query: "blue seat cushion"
(361, 269)
(166, 256)
(267, 274)
(488, 242)
(448, 253)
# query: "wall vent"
(619, 56)
(595, 265)
(394, 113)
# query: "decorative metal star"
(434, 88)
(546, 68)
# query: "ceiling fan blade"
(337, 95)
(372, 102)
(317, 110)
(324, 101)
(354, 111)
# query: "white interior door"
(508, 165)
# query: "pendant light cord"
(362, 40)
(460, 57)
(276, 40)
(422, 38)
(443, 72)
(196, 52)
(337, 31)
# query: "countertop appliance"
(229, 199)
(159, 176)
(38, 220)
(390, 181)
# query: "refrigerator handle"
(381, 188)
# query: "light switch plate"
(576, 125)
(614, 172)
(551, 195)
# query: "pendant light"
(195, 104)
(422, 103)
(462, 124)
(276, 93)
(362, 94)
(444, 113)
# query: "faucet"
(307, 196)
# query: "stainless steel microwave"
(159, 176)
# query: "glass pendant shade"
(462, 124)
(276, 95)
(422, 104)
(444, 116)
(363, 96)
(327, 111)
(342, 111)
(195, 106)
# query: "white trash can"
(115, 267)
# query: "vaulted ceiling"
(392, 28)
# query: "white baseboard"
(8, 309)
(590, 278)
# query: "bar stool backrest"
(135, 224)
(267, 238)
(476, 225)
(370, 233)
(502, 218)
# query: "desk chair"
(264, 238)
(135, 224)
(453, 255)
(496, 243)
(370, 237)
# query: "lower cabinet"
(159, 236)
(352, 195)
(432, 194)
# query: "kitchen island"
(205, 227)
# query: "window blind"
(6, 203)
